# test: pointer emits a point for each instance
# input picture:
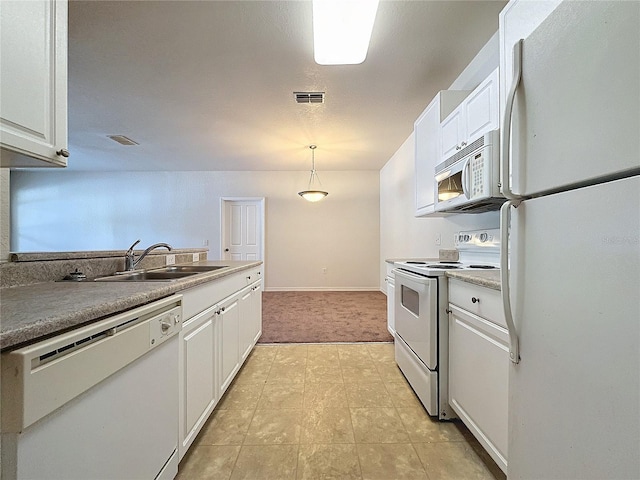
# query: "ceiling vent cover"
(309, 97)
(121, 139)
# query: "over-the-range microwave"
(467, 182)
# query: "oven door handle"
(419, 283)
(409, 275)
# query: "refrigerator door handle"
(514, 346)
(505, 183)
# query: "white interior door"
(243, 229)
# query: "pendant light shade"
(313, 194)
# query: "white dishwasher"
(98, 402)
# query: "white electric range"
(422, 333)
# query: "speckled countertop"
(34, 311)
(484, 278)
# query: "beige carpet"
(322, 317)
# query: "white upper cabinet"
(427, 146)
(476, 115)
(33, 83)
(452, 134)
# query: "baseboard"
(322, 289)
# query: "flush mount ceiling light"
(342, 30)
(311, 194)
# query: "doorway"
(242, 232)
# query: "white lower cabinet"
(251, 311)
(199, 386)
(479, 365)
(229, 318)
(390, 280)
(224, 322)
(391, 288)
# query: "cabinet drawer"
(488, 302)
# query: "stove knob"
(484, 237)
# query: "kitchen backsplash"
(29, 268)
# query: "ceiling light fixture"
(122, 140)
(342, 30)
(311, 194)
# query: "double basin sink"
(166, 274)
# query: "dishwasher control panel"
(164, 326)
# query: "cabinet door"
(33, 82)
(256, 312)
(229, 341)
(250, 318)
(427, 153)
(479, 379)
(199, 388)
(391, 292)
(481, 109)
(246, 322)
(451, 133)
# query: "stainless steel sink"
(166, 274)
(153, 276)
(191, 268)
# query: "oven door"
(416, 314)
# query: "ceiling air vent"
(121, 139)
(309, 97)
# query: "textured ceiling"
(209, 85)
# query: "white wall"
(68, 211)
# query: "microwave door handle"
(505, 181)
(465, 179)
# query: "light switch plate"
(170, 259)
(196, 257)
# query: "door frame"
(223, 221)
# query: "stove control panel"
(489, 239)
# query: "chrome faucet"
(130, 261)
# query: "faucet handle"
(130, 251)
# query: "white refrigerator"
(571, 169)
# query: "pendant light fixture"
(312, 194)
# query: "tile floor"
(329, 411)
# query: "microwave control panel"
(476, 165)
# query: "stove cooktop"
(438, 268)
(478, 250)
